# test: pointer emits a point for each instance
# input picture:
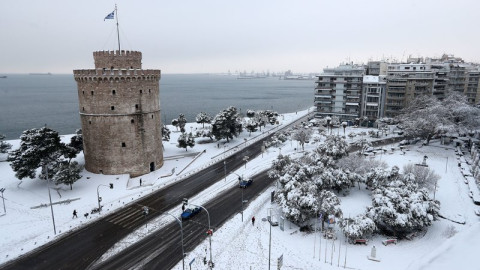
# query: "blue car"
(245, 183)
(190, 212)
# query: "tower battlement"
(117, 59)
(116, 74)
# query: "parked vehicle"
(245, 183)
(190, 212)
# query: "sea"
(33, 101)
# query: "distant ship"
(48, 73)
(3, 77)
(244, 75)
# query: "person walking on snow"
(74, 214)
(253, 221)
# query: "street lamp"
(209, 231)
(181, 233)
(45, 167)
(225, 169)
(4, 209)
(269, 217)
(224, 147)
(240, 178)
(246, 158)
(100, 198)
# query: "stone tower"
(120, 112)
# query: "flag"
(110, 16)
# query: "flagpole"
(118, 34)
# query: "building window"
(149, 91)
(132, 121)
(152, 116)
(83, 108)
(141, 91)
(89, 122)
(124, 145)
(113, 92)
(83, 92)
(112, 108)
(91, 93)
(136, 106)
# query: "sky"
(212, 36)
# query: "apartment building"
(373, 97)
(338, 92)
(404, 83)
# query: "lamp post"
(45, 167)
(225, 169)
(240, 178)
(246, 158)
(181, 233)
(209, 231)
(99, 199)
(270, 238)
(4, 209)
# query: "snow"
(241, 245)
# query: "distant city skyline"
(217, 36)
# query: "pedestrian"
(85, 215)
(183, 207)
(253, 221)
(140, 181)
(74, 214)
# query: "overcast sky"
(199, 36)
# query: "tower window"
(132, 121)
(113, 92)
(91, 93)
(136, 106)
(83, 108)
(149, 91)
(112, 108)
(152, 116)
(124, 145)
(89, 122)
(141, 91)
(83, 92)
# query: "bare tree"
(424, 176)
(302, 135)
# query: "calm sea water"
(31, 101)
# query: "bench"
(389, 241)
(360, 241)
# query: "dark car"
(190, 212)
(245, 183)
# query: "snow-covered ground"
(238, 245)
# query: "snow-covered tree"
(251, 126)
(426, 116)
(175, 123)
(203, 118)
(334, 147)
(302, 135)
(380, 177)
(424, 176)
(75, 146)
(261, 119)
(165, 133)
(358, 227)
(250, 113)
(186, 140)
(297, 194)
(4, 146)
(328, 204)
(67, 173)
(226, 124)
(38, 147)
(182, 121)
(400, 208)
(279, 166)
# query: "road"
(83, 247)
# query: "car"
(190, 212)
(245, 183)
